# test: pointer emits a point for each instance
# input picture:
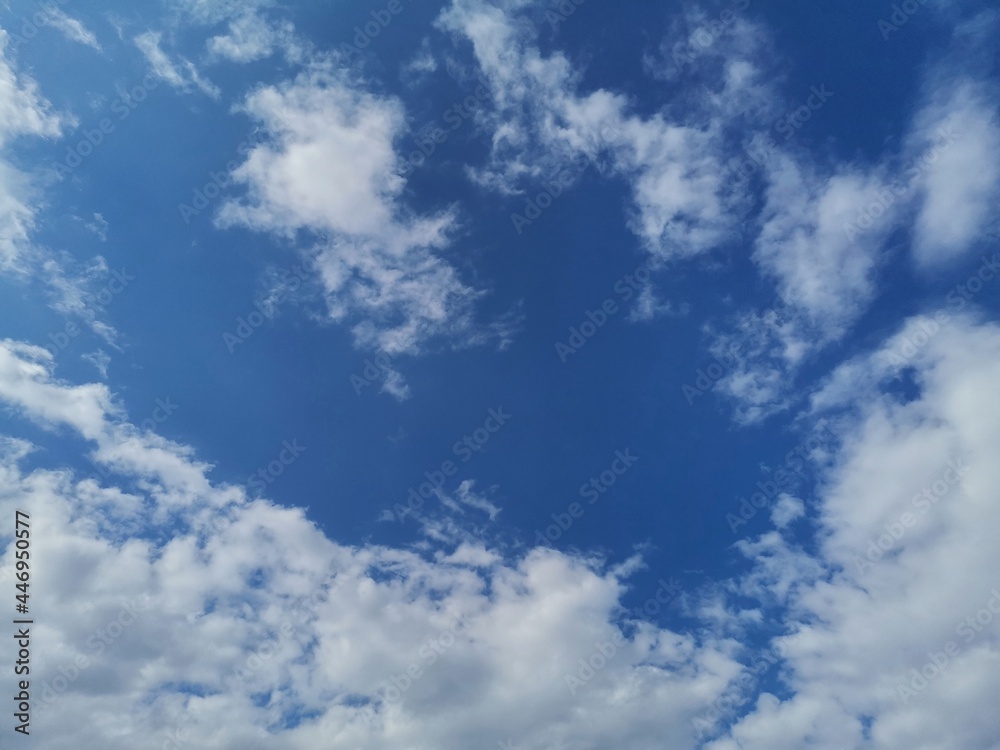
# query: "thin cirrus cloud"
(182, 74)
(25, 113)
(70, 27)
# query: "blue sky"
(681, 306)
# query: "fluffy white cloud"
(821, 232)
(819, 268)
(238, 624)
(252, 37)
(329, 171)
(959, 188)
(683, 204)
(905, 575)
(190, 609)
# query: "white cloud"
(823, 234)
(329, 170)
(223, 575)
(959, 182)
(252, 37)
(905, 514)
(70, 27)
(191, 616)
(820, 236)
(78, 294)
(100, 359)
(208, 12)
(23, 112)
(786, 510)
(674, 161)
(71, 285)
(423, 62)
(182, 75)
(804, 244)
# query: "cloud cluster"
(240, 624)
(821, 232)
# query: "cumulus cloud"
(674, 161)
(818, 267)
(329, 172)
(959, 188)
(238, 623)
(252, 37)
(891, 635)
